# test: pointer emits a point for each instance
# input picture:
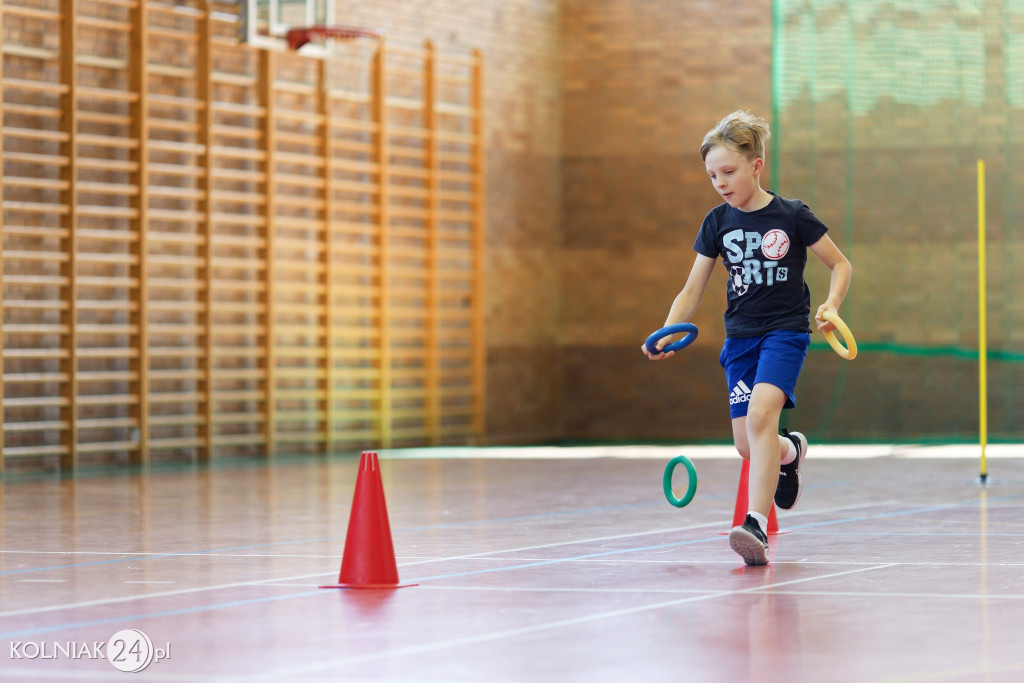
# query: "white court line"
(163, 594)
(824, 593)
(427, 560)
(543, 589)
(43, 580)
(719, 524)
(143, 556)
(795, 563)
(930, 596)
(149, 582)
(241, 584)
(272, 581)
(526, 630)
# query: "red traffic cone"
(369, 559)
(739, 512)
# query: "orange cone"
(739, 512)
(369, 559)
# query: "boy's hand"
(661, 355)
(819, 317)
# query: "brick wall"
(595, 192)
(643, 83)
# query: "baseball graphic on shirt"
(775, 244)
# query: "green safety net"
(881, 111)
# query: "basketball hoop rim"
(301, 35)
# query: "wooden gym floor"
(541, 564)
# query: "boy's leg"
(766, 452)
(781, 358)
(761, 441)
(739, 439)
(786, 448)
(755, 419)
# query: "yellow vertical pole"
(982, 336)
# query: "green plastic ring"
(666, 481)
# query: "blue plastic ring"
(652, 341)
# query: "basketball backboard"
(264, 23)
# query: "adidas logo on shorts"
(740, 393)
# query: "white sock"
(762, 521)
(790, 455)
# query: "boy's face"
(734, 176)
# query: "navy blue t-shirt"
(765, 252)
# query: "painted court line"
(162, 594)
(146, 556)
(702, 591)
(600, 539)
(596, 591)
(72, 625)
(184, 591)
(216, 606)
(450, 575)
(693, 541)
(537, 628)
(929, 596)
(159, 557)
(27, 633)
(222, 552)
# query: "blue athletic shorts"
(775, 358)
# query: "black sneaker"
(787, 493)
(749, 542)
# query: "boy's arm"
(687, 301)
(842, 272)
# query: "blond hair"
(740, 131)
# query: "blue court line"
(912, 511)
(588, 511)
(544, 563)
(187, 553)
(241, 603)
(808, 525)
(539, 515)
(142, 558)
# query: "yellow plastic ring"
(849, 352)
